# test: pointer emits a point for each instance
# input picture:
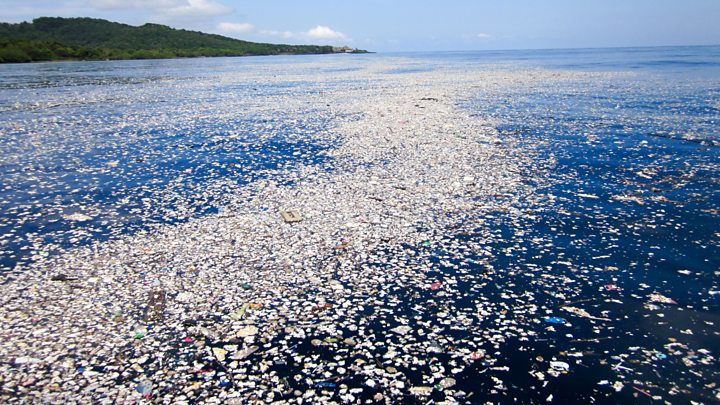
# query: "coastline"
(187, 57)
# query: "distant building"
(343, 49)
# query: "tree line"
(55, 38)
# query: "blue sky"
(413, 25)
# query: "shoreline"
(187, 57)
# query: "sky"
(412, 25)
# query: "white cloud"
(198, 8)
(178, 8)
(320, 32)
(134, 4)
(323, 32)
(235, 28)
(483, 35)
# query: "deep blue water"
(131, 144)
(623, 214)
(699, 60)
(97, 138)
(624, 203)
(628, 170)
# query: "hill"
(56, 38)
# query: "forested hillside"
(55, 38)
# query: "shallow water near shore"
(595, 278)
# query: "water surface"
(620, 216)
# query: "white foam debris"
(406, 158)
(321, 269)
(78, 217)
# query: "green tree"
(11, 54)
(55, 38)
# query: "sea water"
(625, 168)
(96, 150)
(626, 208)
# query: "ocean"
(620, 203)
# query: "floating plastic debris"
(555, 320)
(439, 240)
(583, 313)
(77, 217)
(661, 299)
(291, 216)
(559, 366)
